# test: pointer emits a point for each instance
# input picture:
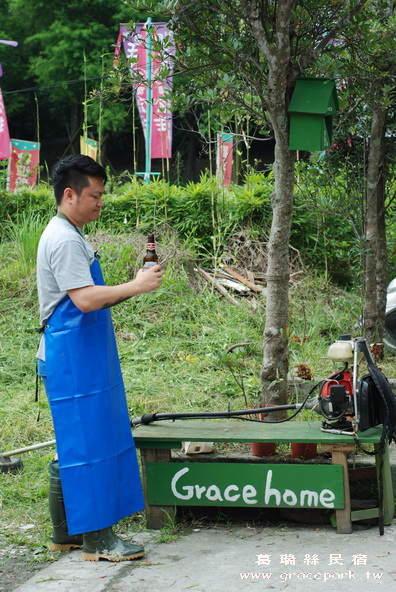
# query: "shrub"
(205, 215)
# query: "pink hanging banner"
(23, 164)
(135, 48)
(116, 57)
(224, 158)
(7, 42)
(4, 133)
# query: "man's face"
(86, 206)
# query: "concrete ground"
(309, 558)
(236, 558)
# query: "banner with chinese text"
(148, 66)
(224, 158)
(4, 133)
(22, 164)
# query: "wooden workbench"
(168, 484)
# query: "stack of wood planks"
(225, 277)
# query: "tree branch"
(331, 34)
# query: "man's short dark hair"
(73, 171)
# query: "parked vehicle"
(390, 318)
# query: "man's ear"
(68, 195)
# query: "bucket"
(304, 450)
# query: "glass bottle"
(151, 257)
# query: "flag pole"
(148, 103)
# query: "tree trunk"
(382, 259)
(281, 81)
(376, 252)
(190, 160)
(276, 352)
(75, 127)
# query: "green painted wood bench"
(168, 483)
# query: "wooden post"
(339, 453)
(156, 516)
(384, 471)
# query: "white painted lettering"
(232, 493)
(311, 496)
(199, 491)
(188, 488)
(269, 492)
(326, 498)
(213, 494)
(290, 498)
(231, 498)
(249, 492)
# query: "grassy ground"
(172, 346)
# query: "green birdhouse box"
(312, 108)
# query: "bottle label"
(151, 246)
(149, 264)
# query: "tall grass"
(171, 344)
(24, 234)
(206, 216)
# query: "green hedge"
(204, 214)
(197, 211)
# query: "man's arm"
(91, 298)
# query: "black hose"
(151, 417)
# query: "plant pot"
(304, 450)
(263, 448)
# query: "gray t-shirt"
(64, 258)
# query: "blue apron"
(97, 456)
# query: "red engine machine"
(350, 403)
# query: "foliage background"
(326, 231)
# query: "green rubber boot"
(61, 540)
(104, 544)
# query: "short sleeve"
(70, 265)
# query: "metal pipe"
(27, 448)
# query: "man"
(95, 480)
